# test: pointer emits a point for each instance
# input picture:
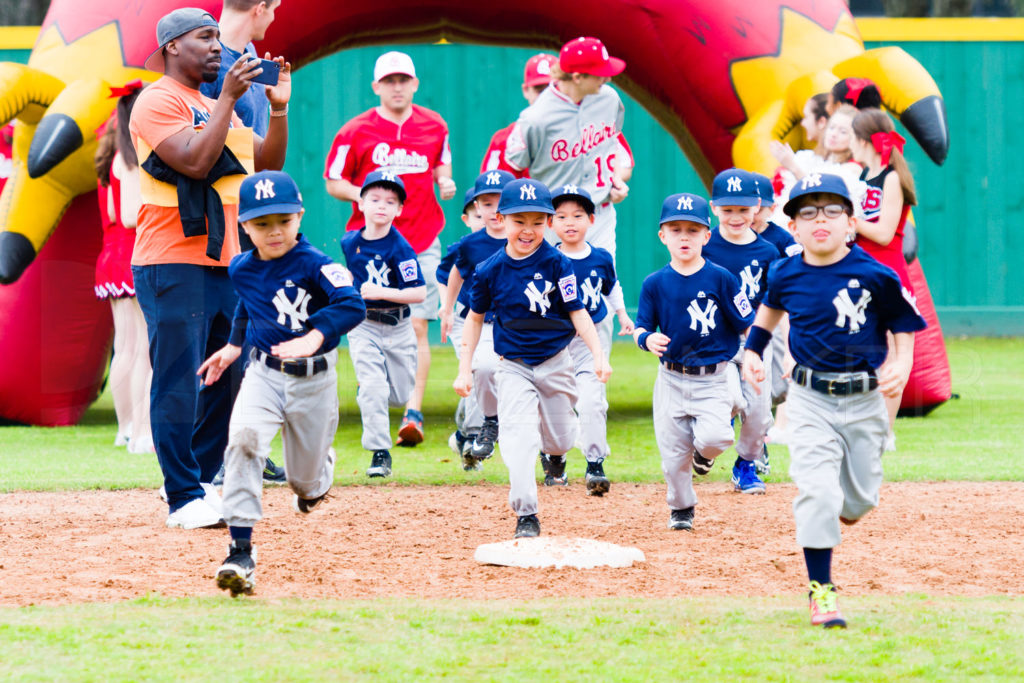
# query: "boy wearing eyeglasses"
(841, 302)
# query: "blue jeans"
(188, 311)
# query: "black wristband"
(757, 340)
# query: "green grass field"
(912, 637)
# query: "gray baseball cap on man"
(174, 25)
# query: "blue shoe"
(744, 477)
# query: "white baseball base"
(558, 552)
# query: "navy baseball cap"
(382, 178)
(174, 25)
(574, 192)
(491, 182)
(734, 187)
(817, 183)
(468, 200)
(268, 192)
(525, 194)
(764, 188)
(685, 207)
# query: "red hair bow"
(127, 89)
(854, 87)
(885, 142)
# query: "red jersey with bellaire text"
(412, 149)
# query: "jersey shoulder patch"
(742, 304)
(567, 286)
(794, 249)
(409, 269)
(336, 274)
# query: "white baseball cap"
(393, 63)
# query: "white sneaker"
(162, 492)
(212, 499)
(196, 514)
(123, 436)
(141, 445)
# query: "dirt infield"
(936, 538)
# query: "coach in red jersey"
(411, 141)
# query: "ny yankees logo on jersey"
(294, 311)
(265, 189)
(590, 288)
(751, 280)
(378, 274)
(705, 317)
(735, 184)
(540, 300)
(854, 314)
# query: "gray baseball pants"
(535, 411)
(305, 410)
(384, 359)
(755, 409)
(835, 450)
(691, 412)
(592, 405)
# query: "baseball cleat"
(597, 483)
(701, 465)
(825, 606)
(554, 470)
(195, 514)
(745, 479)
(411, 431)
(762, 464)
(272, 474)
(483, 444)
(307, 505)
(681, 519)
(462, 447)
(238, 572)
(527, 526)
(380, 464)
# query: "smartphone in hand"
(271, 72)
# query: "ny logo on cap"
(388, 176)
(735, 185)
(810, 180)
(570, 189)
(264, 189)
(493, 178)
(684, 203)
(528, 192)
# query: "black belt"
(835, 383)
(388, 316)
(296, 367)
(691, 369)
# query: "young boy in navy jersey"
(294, 304)
(461, 440)
(841, 302)
(472, 250)
(383, 348)
(595, 276)
(531, 290)
(691, 314)
(737, 248)
(763, 225)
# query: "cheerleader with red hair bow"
(890, 193)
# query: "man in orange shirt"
(194, 153)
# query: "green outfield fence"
(972, 254)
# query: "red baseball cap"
(538, 69)
(589, 56)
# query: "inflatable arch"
(722, 76)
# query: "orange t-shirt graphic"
(163, 109)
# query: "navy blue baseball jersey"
(388, 262)
(782, 239)
(444, 268)
(839, 314)
(474, 249)
(531, 299)
(286, 297)
(702, 314)
(748, 262)
(595, 275)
